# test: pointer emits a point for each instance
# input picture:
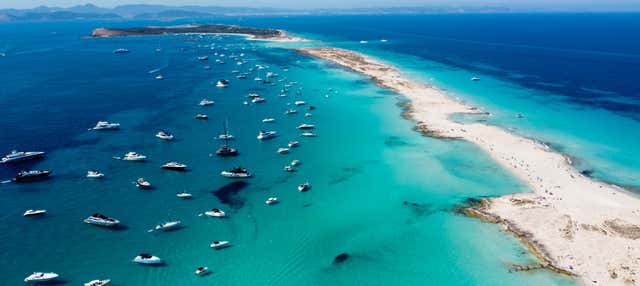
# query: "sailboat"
(225, 150)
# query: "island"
(574, 224)
(254, 33)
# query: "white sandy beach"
(573, 223)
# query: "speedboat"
(41, 277)
(174, 166)
(306, 126)
(296, 163)
(184, 195)
(293, 144)
(288, 168)
(253, 95)
(304, 187)
(167, 226)
(222, 83)
(144, 258)
(283, 150)
(159, 77)
(33, 175)
(220, 244)
(101, 220)
(271, 201)
(97, 282)
(475, 78)
(268, 120)
(226, 136)
(236, 172)
(202, 116)
(265, 135)
(205, 102)
(291, 111)
(133, 156)
(106, 125)
(142, 183)
(202, 270)
(258, 100)
(203, 58)
(308, 134)
(225, 151)
(94, 174)
(34, 212)
(16, 156)
(164, 135)
(300, 102)
(215, 213)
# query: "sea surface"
(381, 192)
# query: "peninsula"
(574, 224)
(254, 33)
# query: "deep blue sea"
(381, 192)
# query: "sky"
(550, 4)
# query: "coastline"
(574, 224)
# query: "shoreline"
(574, 224)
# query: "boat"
(145, 258)
(143, 184)
(121, 51)
(308, 114)
(271, 74)
(133, 156)
(308, 134)
(236, 172)
(184, 195)
(159, 77)
(258, 100)
(268, 120)
(220, 244)
(296, 163)
(475, 78)
(225, 150)
(253, 95)
(242, 76)
(383, 40)
(300, 102)
(288, 168)
(174, 166)
(257, 79)
(41, 277)
(34, 212)
(167, 226)
(215, 213)
(94, 174)
(20, 156)
(363, 42)
(164, 135)
(101, 220)
(202, 116)
(205, 102)
(97, 282)
(203, 58)
(271, 201)
(293, 144)
(222, 83)
(290, 111)
(202, 270)
(304, 187)
(265, 135)
(283, 150)
(106, 125)
(33, 175)
(207, 67)
(225, 136)
(306, 126)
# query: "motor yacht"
(34, 212)
(144, 258)
(203, 58)
(133, 156)
(296, 163)
(174, 166)
(164, 135)
(283, 150)
(306, 126)
(292, 144)
(143, 184)
(300, 102)
(258, 100)
(265, 135)
(220, 244)
(253, 95)
(93, 174)
(19, 156)
(206, 102)
(184, 195)
(202, 270)
(202, 116)
(41, 277)
(291, 111)
(159, 77)
(167, 226)
(97, 282)
(106, 125)
(225, 137)
(222, 83)
(308, 134)
(101, 220)
(268, 120)
(475, 78)
(215, 213)
(304, 187)
(236, 172)
(271, 201)
(29, 176)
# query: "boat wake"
(158, 69)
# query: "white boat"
(308, 134)
(296, 163)
(383, 40)
(258, 100)
(142, 183)
(291, 111)
(16, 156)
(226, 136)
(475, 78)
(133, 156)
(283, 150)
(174, 166)
(205, 102)
(105, 125)
(94, 174)
(253, 95)
(164, 135)
(293, 144)
(159, 77)
(184, 195)
(304, 187)
(215, 213)
(268, 120)
(144, 258)
(167, 226)
(271, 201)
(363, 42)
(203, 58)
(220, 244)
(201, 270)
(237, 172)
(306, 126)
(202, 116)
(264, 135)
(101, 220)
(300, 102)
(308, 114)
(41, 277)
(34, 212)
(121, 51)
(257, 79)
(97, 282)
(222, 83)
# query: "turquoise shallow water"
(364, 164)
